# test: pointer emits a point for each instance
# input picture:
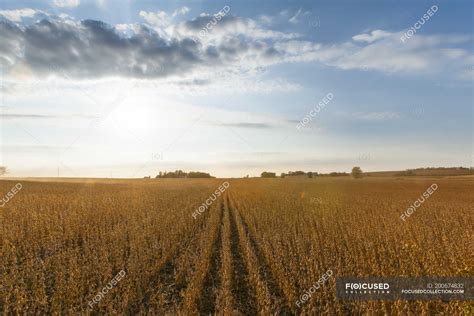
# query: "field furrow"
(244, 293)
(273, 271)
(208, 298)
(201, 294)
(225, 299)
(269, 296)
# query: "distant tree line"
(311, 174)
(294, 174)
(441, 168)
(182, 174)
(356, 173)
(422, 171)
(405, 173)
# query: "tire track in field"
(275, 295)
(225, 300)
(208, 296)
(245, 296)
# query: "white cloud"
(159, 19)
(265, 19)
(180, 11)
(425, 54)
(18, 15)
(371, 36)
(383, 51)
(66, 3)
(297, 16)
(229, 26)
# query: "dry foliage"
(254, 251)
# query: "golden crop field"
(257, 248)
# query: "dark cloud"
(94, 49)
(201, 22)
(10, 35)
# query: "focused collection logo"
(405, 288)
(367, 288)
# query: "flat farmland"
(256, 248)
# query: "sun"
(135, 117)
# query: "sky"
(103, 88)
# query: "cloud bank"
(43, 45)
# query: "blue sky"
(129, 88)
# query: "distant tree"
(3, 170)
(266, 174)
(282, 175)
(310, 175)
(356, 172)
